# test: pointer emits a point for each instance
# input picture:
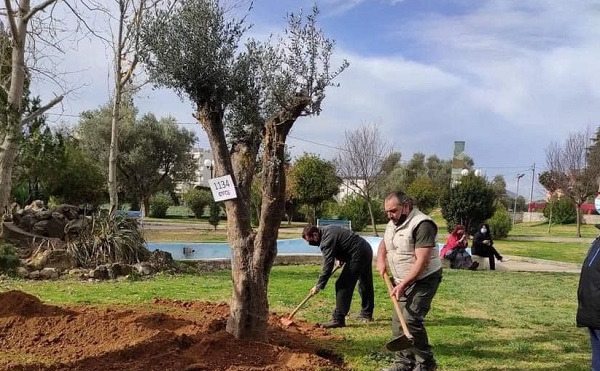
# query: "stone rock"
(22, 272)
(161, 260)
(145, 268)
(52, 258)
(49, 273)
(35, 275)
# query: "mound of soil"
(166, 335)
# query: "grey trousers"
(415, 305)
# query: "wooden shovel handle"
(308, 297)
(388, 282)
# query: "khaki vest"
(400, 247)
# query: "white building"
(202, 174)
(349, 188)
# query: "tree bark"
(253, 253)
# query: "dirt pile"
(166, 335)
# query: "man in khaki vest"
(408, 249)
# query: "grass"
(571, 252)
(478, 321)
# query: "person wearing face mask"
(455, 250)
(483, 245)
(355, 254)
(408, 250)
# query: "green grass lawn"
(479, 320)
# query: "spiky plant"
(109, 239)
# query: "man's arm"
(381, 258)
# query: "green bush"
(354, 208)
(197, 200)
(560, 211)
(214, 214)
(500, 223)
(159, 204)
(9, 260)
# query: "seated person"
(455, 249)
(483, 245)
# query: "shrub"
(109, 239)
(500, 223)
(214, 214)
(159, 204)
(9, 260)
(197, 200)
(560, 211)
(354, 208)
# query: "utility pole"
(519, 176)
(531, 193)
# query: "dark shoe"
(398, 367)
(361, 317)
(423, 367)
(332, 324)
(474, 266)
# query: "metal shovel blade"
(400, 343)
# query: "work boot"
(332, 324)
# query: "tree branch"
(36, 9)
(11, 19)
(41, 110)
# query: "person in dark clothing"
(588, 297)
(483, 245)
(356, 256)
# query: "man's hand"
(398, 291)
(338, 264)
(381, 267)
(314, 290)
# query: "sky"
(507, 77)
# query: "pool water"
(221, 250)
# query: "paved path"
(518, 263)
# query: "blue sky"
(508, 77)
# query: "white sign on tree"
(222, 188)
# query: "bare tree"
(359, 163)
(245, 101)
(15, 77)
(571, 175)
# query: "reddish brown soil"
(166, 335)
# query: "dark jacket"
(588, 292)
(341, 244)
(479, 248)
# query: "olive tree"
(246, 100)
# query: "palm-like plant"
(109, 239)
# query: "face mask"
(401, 219)
(314, 243)
(483, 230)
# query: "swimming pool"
(221, 250)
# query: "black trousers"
(489, 252)
(361, 271)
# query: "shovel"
(288, 320)
(406, 340)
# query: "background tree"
(498, 184)
(154, 153)
(425, 193)
(359, 163)
(316, 181)
(197, 200)
(214, 213)
(125, 46)
(13, 79)
(470, 203)
(245, 100)
(570, 172)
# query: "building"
(349, 188)
(202, 174)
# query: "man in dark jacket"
(588, 296)
(356, 256)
